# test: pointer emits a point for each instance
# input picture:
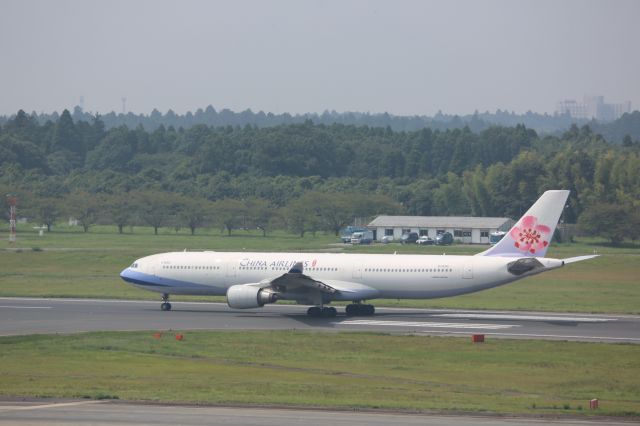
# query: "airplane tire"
(166, 306)
(314, 311)
(329, 312)
(359, 310)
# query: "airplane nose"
(126, 274)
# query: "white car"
(386, 239)
(424, 240)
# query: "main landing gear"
(352, 310)
(165, 306)
(357, 309)
(326, 312)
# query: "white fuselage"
(389, 276)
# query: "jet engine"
(248, 296)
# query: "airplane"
(251, 280)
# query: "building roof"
(439, 222)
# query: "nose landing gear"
(165, 305)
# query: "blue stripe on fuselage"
(168, 285)
(135, 277)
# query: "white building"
(593, 107)
(470, 230)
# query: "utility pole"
(13, 201)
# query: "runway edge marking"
(427, 324)
(555, 336)
(43, 406)
(526, 317)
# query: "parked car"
(411, 237)
(347, 233)
(364, 237)
(386, 239)
(425, 241)
(444, 239)
(495, 237)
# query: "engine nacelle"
(248, 296)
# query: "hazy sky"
(404, 57)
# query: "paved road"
(109, 413)
(28, 316)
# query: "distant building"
(593, 107)
(470, 230)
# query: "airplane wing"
(295, 280)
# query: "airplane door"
(232, 268)
(357, 271)
(467, 271)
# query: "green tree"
(120, 210)
(66, 136)
(27, 154)
(154, 207)
(449, 198)
(113, 152)
(331, 211)
(194, 212)
(24, 127)
(299, 217)
(230, 214)
(47, 210)
(612, 221)
(476, 191)
(260, 214)
(84, 207)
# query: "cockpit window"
(134, 265)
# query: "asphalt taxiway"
(109, 413)
(33, 315)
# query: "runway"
(114, 413)
(33, 315)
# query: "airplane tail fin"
(531, 235)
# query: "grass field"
(348, 370)
(340, 370)
(68, 263)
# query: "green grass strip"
(75, 264)
(341, 370)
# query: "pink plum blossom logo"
(529, 236)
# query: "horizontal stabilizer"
(579, 258)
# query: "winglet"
(297, 268)
(530, 237)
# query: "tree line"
(499, 171)
(616, 131)
(313, 212)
